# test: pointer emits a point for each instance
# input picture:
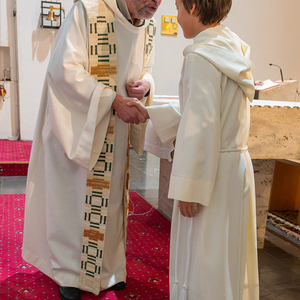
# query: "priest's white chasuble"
(75, 213)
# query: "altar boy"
(213, 237)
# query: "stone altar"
(274, 135)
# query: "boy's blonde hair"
(209, 11)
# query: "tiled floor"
(12, 185)
(279, 261)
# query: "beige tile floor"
(279, 261)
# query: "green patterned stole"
(103, 66)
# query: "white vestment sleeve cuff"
(165, 119)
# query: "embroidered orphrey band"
(103, 66)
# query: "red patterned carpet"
(14, 151)
(14, 157)
(147, 256)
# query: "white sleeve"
(79, 106)
(165, 119)
(198, 140)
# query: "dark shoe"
(118, 286)
(69, 293)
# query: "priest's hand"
(188, 209)
(126, 113)
(140, 106)
(138, 89)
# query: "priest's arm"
(78, 106)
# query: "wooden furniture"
(285, 191)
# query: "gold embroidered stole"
(103, 66)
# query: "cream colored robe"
(213, 255)
(70, 131)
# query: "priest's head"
(142, 9)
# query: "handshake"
(131, 109)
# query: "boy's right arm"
(129, 113)
(165, 118)
(140, 106)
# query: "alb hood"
(228, 53)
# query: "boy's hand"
(138, 89)
(188, 209)
(125, 112)
(140, 106)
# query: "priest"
(77, 187)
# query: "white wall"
(5, 120)
(270, 27)
(35, 45)
(3, 24)
(5, 112)
(168, 53)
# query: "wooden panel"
(285, 192)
